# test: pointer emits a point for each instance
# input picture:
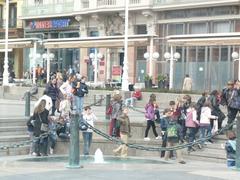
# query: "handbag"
(83, 126)
(44, 127)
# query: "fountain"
(98, 156)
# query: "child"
(173, 132)
(150, 117)
(230, 148)
(125, 131)
(167, 114)
(89, 117)
(205, 127)
(191, 123)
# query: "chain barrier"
(147, 148)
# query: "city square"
(119, 89)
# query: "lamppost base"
(74, 166)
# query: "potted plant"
(148, 81)
(161, 81)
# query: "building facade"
(15, 31)
(209, 67)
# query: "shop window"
(224, 54)
(140, 52)
(12, 15)
(215, 54)
(141, 29)
(192, 54)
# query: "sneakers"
(159, 137)
(147, 139)
(51, 151)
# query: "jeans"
(205, 130)
(191, 135)
(87, 140)
(231, 163)
(53, 107)
(78, 104)
(151, 123)
(52, 140)
(40, 145)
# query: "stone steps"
(13, 130)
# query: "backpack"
(172, 131)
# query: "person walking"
(125, 133)
(230, 148)
(150, 117)
(187, 83)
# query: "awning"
(214, 39)
(18, 43)
(97, 42)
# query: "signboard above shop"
(49, 24)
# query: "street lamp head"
(51, 55)
(176, 55)
(235, 55)
(38, 55)
(155, 55)
(91, 55)
(167, 55)
(146, 55)
(99, 56)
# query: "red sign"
(116, 70)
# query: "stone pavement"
(11, 169)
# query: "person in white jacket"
(205, 127)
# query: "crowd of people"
(181, 122)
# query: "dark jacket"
(164, 123)
(38, 120)
(124, 124)
(82, 90)
(52, 91)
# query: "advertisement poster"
(116, 73)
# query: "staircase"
(13, 130)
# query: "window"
(201, 54)
(141, 29)
(215, 54)
(192, 54)
(140, 52)
(175, 29)
(221, 27)
(224, 54)
(38, 2)
(198, 28)
(13, 15)
(197, 12)
(175, 14)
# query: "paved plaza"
(12, 169)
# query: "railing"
(106, 3)
(48, 9)
(178, 2)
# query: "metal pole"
(171, 69)
(125, 62)
(48, 65)
(27, 104)
(34, 61)
(95, 66)
(239, 64)
(108, 100)
(5, 72)
(74, 142)
(151, 58)
(238, 144)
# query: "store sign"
(50, 24)
(116, 73)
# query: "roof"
(213, 39)
(18, 43)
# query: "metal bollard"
(74, 159)
(108, 101)
(238, 144)
(27, 104)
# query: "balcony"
(110, 5)
(47, 9)
(163, 4)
